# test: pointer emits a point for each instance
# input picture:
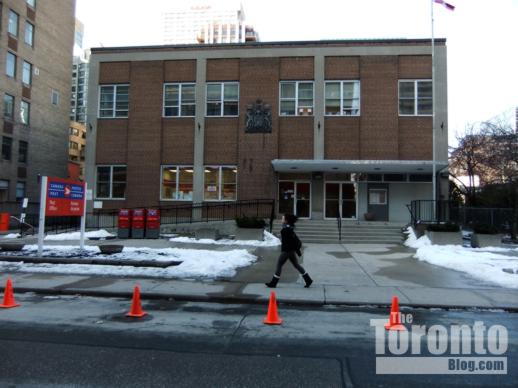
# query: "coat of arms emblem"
(258, 118)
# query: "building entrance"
(340, 199)
(295, 198)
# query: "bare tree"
(467, 160)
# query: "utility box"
(124, 223)
(4, 222)
(138, 223)
(152, 223)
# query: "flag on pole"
(447, 5)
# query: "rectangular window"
(111, 182)
(220, 183)
(54, 97)
(223, 99)
(10, 65)
(179, 100)
(4, 190)
(27, 73)
(8, 106)
(12, 27)
(23, 149)
(343, 98)
(31, 3)
(177, 183)
(296, 98)
(29, 34)
(420, 178)
(415, 98)
(114, 101)
(73, 145)
(7, 145)
(25, 112)
(377, 196)
(20, 190)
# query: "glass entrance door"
(295, 198)
(340, 199)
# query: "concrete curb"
(233, 299)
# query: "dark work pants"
(283, 258)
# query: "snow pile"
(11, 235)
(269, 241)
(101, 233)
(483, 264)
(196, 263)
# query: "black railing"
(339, 222)
(429, 211)
(169, 215)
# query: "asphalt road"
(87, 342)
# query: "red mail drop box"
(124, 219)
(139, 219)
(153, 219)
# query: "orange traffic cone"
(394, 322)
(272, 317)
(8, 296)
(136, 309)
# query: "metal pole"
(83, 221)
(434, 183)
(41, 224)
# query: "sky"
(481, 38)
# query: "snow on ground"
(101, 233)
(485, 264)
(11, 235)
(197, 263)
(269, 241)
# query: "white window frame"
(416, 97)
(28, 110)
(24, 73)
(15, 64)
(111, 181)
(113, 115)
(371, 202)
(25, 35)
(296, 98)
(180, 87)
(9, 24)
(222, 98)
(220, 183)
(342, 82)
(178, 167)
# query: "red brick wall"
(342, 138)
(178, 140)
(112, 139)
(379, 134)
(222, 69)
(180, 71)
(114, 72)
(415, 66)
(221, 136)
(415, 138)
(296, 138)
(259, 78)
(297, 68)
(144, 133)
(342, 68)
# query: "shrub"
(448, 227)
(485, 229)
(250, 222)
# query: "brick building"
(36, 39)
(325, 128)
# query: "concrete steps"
(326, 232)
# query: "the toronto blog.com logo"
(440, 349)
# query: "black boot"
(273, 282)
(307, 279)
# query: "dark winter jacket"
(289, 240)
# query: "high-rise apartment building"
(207, 23)
(36, 40)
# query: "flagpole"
(434, 183)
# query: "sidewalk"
(351, 274)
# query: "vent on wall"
(36, 71)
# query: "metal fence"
(170, 215)
(429, 211)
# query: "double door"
(340, 199)
(295, 198)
